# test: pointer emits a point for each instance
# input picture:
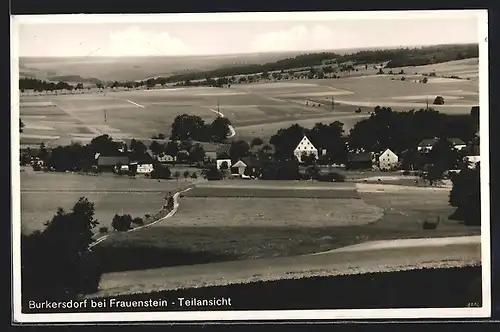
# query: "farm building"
(165, 158)
(144, 163)
(388, 160)
(427, 144)
(361, 160)
(305, 147)
(246, 165)
(109, 163)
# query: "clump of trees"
(122, 223)
(67, 268)
(191, 127)
(161, 172)
(465, 195)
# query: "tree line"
(400, 57)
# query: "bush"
(147, 216)
(337, 177)
(358, 110)
(439, 101)
(425, 80)
(403, 78)
(122, 223)
(138, 221)
(213, 174)
(161, 172)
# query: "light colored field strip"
(170, 214)
(134, 103)
(408, 243)
(231, 128)
(282, 268)
(76, 117)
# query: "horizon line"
(329, 50)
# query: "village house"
(144, 163)
(165, 158)
(109, 163)
(427, 144)
(247, 166)
(388, 160)
(359, 160)
(305, 147)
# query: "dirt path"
(169, 215)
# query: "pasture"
(255, 109)
(211, 226)
(43, 193)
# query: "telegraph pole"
(105, 117)
(427, 103)
(218, 112)
(333, 107)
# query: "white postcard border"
(186, 316)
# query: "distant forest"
(401, 57)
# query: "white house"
(144, 168)
(388, 160)
(472, 161)
(305, 147)
(165, 158)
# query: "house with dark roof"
(109, 163)
(359, 160)
(427, 144)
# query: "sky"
(94, 35)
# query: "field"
(212, 227)
(256, 109)
(43, 193)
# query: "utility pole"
(333, 107)
(105, 117)
(218, 112)
(427, 103)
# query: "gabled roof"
(428, 142)
(360, 157)
(305, 141)
(388, 151)
(456, 141)
(251, 161)
(431, 141)
(112, 160)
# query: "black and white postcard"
(250, 166)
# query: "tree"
(21, 126)
(122, 223)
(186, 175)
(239, 149)
(138, 147)
(219, 128)
(465, 195)
(67, 267)
(156, 148)
(177, 175)
(187, 127)
(160, 172)
(194, 176)
(425, 80)
(439, 100)
(43, 154)
(172, 148)
(257, 141)
(197, 153)
(104, 144)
